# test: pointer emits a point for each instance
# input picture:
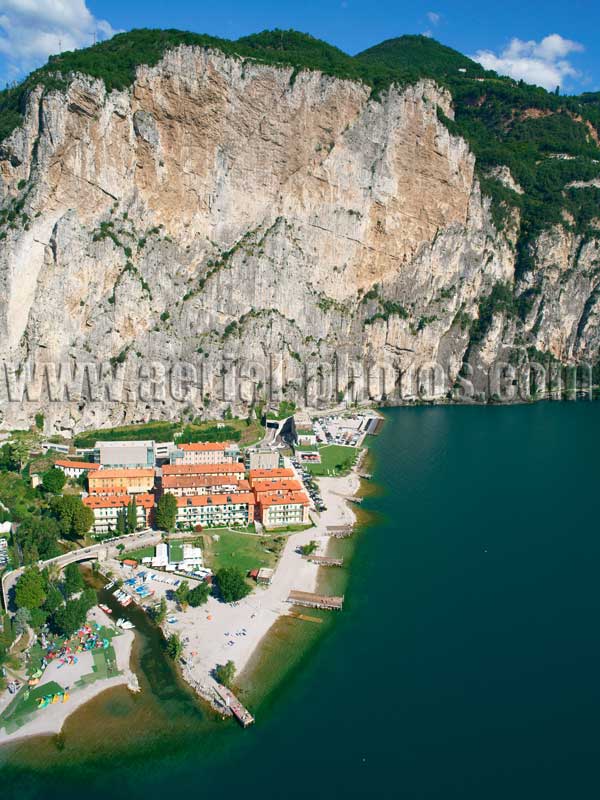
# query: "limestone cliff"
(224, 216)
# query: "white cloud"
(433, 17)
(31, 30)
(543, 63)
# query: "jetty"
(311, 600)
(325, 561)
(243, 716)
(340, 531)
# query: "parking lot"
(309, 484)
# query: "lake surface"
(464, 665)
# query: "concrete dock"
(310, 600)
(325, 561)
(340, 531)
(243, 716)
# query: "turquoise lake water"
(465, 663)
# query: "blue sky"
(544, 42)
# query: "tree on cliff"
(166, 512)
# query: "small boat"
(109, 585)
(105, 608)
(127, 625)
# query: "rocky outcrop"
(226, 232)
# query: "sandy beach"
(212, 634)
(207, 631)
(50, 720)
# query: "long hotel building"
(216, 510)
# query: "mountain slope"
(254, 223)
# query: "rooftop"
(143, 443)
(118, 501)
(215, 499)
(139, 472)
(284, 485)
(201, 469)
(279, 472)
(206, 446)
(292, 498)
(76, 464)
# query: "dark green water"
(465, 664)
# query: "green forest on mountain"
(548, 141)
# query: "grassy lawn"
(158, 431)
(241, 550)
(285, 409)
(336, 459)
(176, 551)
(137, 555)
(19, 710)
(290, 529)
(104, 666)
(163, 431)
(249, 433)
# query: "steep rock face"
(265, 232)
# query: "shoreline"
(50, 721)
(207, 631)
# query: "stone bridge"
(96, 552)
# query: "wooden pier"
(325, 561)
(310, 600)
(243, 716)
(340, 531)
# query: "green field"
(336, 459)
(158, 431)
(137, 555)
(242, 550)
(161, 431)
(23, 705)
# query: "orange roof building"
(130, 481)
(107, 509)
(206, 453)
(215, 510)
(188, 485)
(259, 475)
(232, 470)
(266, 488)
(74, 469)
(281, 510)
